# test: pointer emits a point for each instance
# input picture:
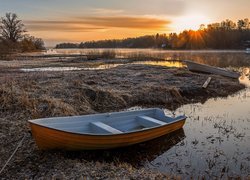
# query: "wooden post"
(206, 83)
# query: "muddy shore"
(25, 96)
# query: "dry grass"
(101, 54)
(16, 101)
(71, 93)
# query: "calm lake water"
(177, 64)
(216, 140)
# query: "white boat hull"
(196, 67)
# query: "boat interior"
(109, 123)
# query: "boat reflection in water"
(136, 155)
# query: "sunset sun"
(190, 21)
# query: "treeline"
(148, 41)
(13, 37)
(224, 35)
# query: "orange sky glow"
(84, 20)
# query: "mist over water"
(219, 58)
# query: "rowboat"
(196, 67)
(103, 131)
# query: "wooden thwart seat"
(149, 121)
(104, 128)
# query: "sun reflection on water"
(177, 64)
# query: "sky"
(58, 21)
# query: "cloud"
(62, 26)
(106, 11)
(96, 23)
(128, 22)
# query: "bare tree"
(11, 28)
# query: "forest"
(224, 35)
